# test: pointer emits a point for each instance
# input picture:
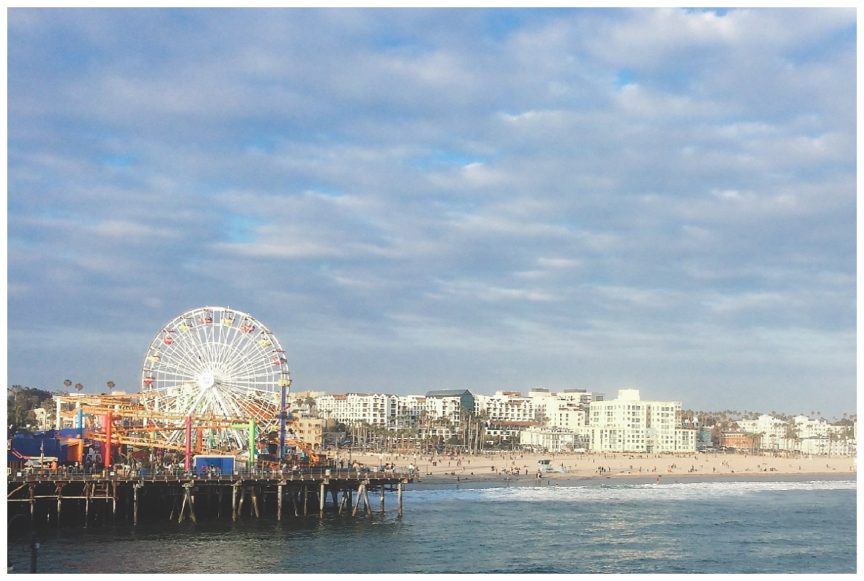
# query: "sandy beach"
(577, 466)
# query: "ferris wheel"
(217, 363)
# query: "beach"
(492, 466)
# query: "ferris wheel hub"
(206, 380)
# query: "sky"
(490, 199)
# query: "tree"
(20, 403)
(792, 432)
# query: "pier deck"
(85, 498)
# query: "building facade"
(629, 424)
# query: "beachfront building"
(504, 406)
(567, 409)
(374, 409)
(506, 432)
(801, 434)
(445, 411)
(820, 437)
(393, 412)
(773, 433)
(570, 419)
(573, 407)
(564, 409)
(547, 439)
(409, 409)
(452, 404)
(629, 424)
(545, 404)
(738, 440)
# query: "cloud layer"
(419, 199)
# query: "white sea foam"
(618, 492)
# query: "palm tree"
(792, 432)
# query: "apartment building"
(630, 424)
(573, 406)
(567, 409)
(449, 406)
(773, 433)
(545, 404)
(548, 439)
(409, 409)
(801, 434)
(375, 409)
(505, 406)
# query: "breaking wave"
(620, 492)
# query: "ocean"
(781, 525)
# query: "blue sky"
(427, 199)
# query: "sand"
(577, 466)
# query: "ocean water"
(714, 526)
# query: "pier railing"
(161, 475)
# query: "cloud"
(560, 196)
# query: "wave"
(617, 492)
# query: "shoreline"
(568, 480)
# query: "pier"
(77, 498)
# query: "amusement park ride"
(214, 382)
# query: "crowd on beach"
(569, 465)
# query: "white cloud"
(628, 191)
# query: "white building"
(570, 419)
(629, 424)
(375, 409)
(504, 406)
(446, 410)
(801, 434)
(547, 439)
(567, 409)
(813, 436)
(773, 432)
(545, 404)
(409, 409)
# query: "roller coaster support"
(108, 421)
(188, 463)
(251, 426)
(282, 421)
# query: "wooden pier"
(85, 499)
